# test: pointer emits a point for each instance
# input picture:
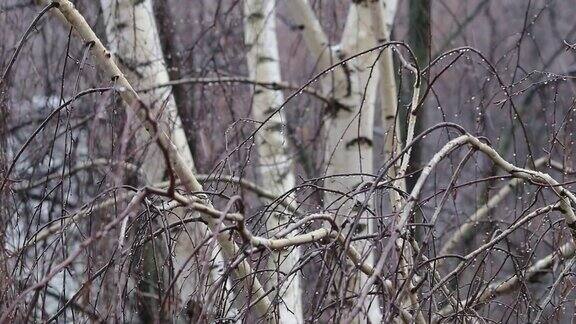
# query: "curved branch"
(278, 85)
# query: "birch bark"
(349, 132)
(349, 147)
(275, 164)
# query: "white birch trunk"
(350, 139)
(133, 39)
(349, 146)
(316, 40)
(275, 165)
(382, 15)
(349, 133)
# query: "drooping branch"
(505, 286)
(88, 209)
(566, 198)
(539, 178)
(466, 229)
(271, 85)
(130, 210)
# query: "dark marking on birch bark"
(274, 127)
(362, 140)
(334, 107)
(121, 25)
(255, 16)
(360, 228)
(265, 59)
(347, 72)
(269, 111)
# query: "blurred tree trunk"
(133, 39)
(275, 164)
(183, 94)
(419, 38)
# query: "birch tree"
(349, 149)
(275, 170)
(133, 38)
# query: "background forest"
(287, 161)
